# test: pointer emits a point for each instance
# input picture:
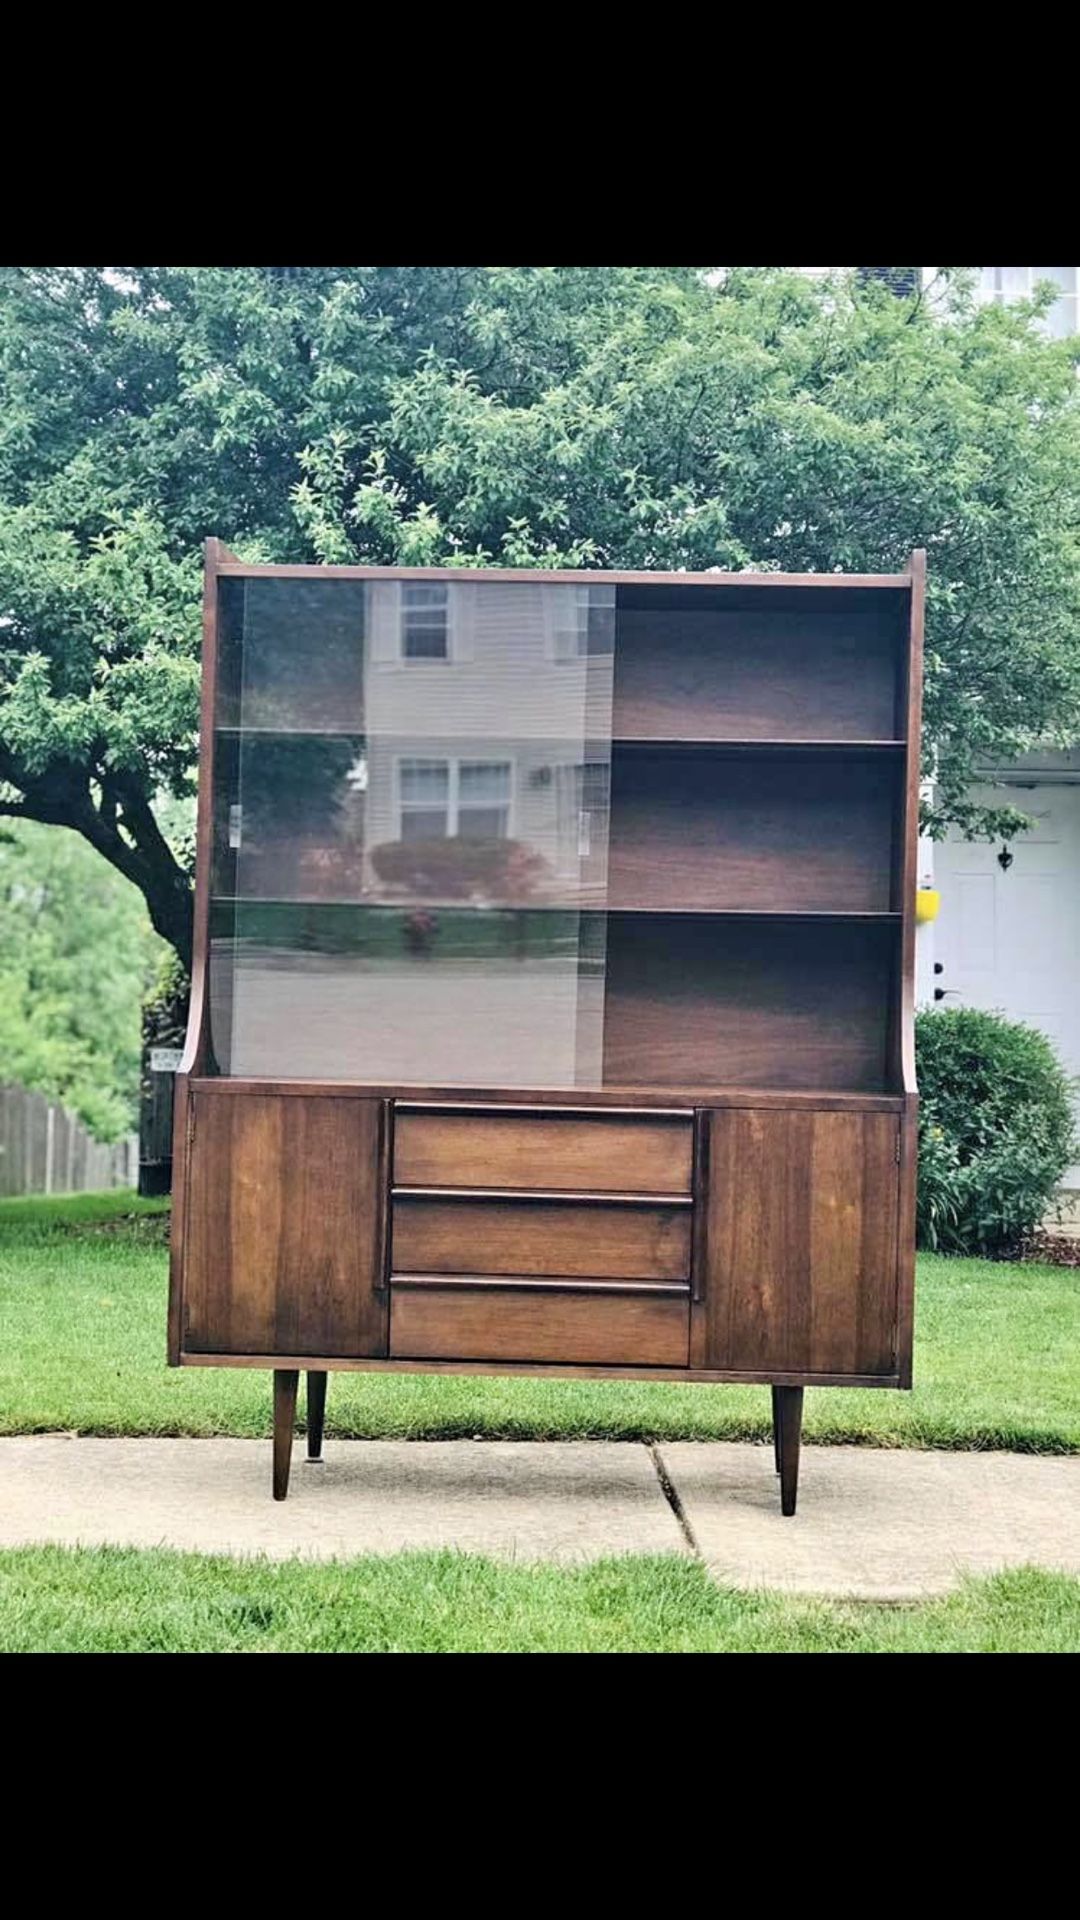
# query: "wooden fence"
(46, 1149)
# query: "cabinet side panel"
(801, 1239)
(283, 1229)
(909, 1157)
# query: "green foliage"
(76, 954)
(132, 1600)
(462, 868)
(996, 1130)
(600, 416)
(165, 1009)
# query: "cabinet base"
(787, 1410)
(787, 1404)
(531, 1370)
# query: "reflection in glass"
(418, 995)
(291, 654)
(425, 622)
(411, 818)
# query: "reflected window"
(484, 799)
(449, 799)
(425, 622)
(583, 800)
(425, 799)
(582, 622)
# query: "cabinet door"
(799, 1254)
(283, 1248)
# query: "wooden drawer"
(636, 1326)
(608, 1152)
(543, 1235)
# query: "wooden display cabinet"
(552, 997)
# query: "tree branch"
(62, 798)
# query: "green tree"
(77, 953)
(638, 417)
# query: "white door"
(1008, 937)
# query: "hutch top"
(552, 997)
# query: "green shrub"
(995, 1131)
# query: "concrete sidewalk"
(871, 1524)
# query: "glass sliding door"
(411, 831)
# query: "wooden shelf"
(629, 1097)
(623, 909)
(829, 669)
(657, 743)
(749, 1000)
(775, 833)
(358, 732)
(487, 911)
(756, 913)
(693, 743)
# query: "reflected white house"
(414, 783)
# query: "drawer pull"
(545, 1196)
(537, 1283)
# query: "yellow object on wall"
(927, 904)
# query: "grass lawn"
(82, 1341)
(103, 1600)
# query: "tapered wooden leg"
(286, 1381)
(316, 1414)
(789, 1405)
(776, 1427)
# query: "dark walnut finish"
(766, 669)
(529, 1321)
(283, 1243)
(550, 1236)
(753, 833)
(598, 1152)
(553, 989)
(801, 1273)
(802, 1005)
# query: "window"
(425, 622)
(483, 799)
(442, 799)
(583, 799)
(1003, 284)
(583, 622)
(1007, 283)
(425, 799)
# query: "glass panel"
(406, 865)
(425, 632)
(300, 648)
(425, 781)
(443, 996)
(484, 782)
